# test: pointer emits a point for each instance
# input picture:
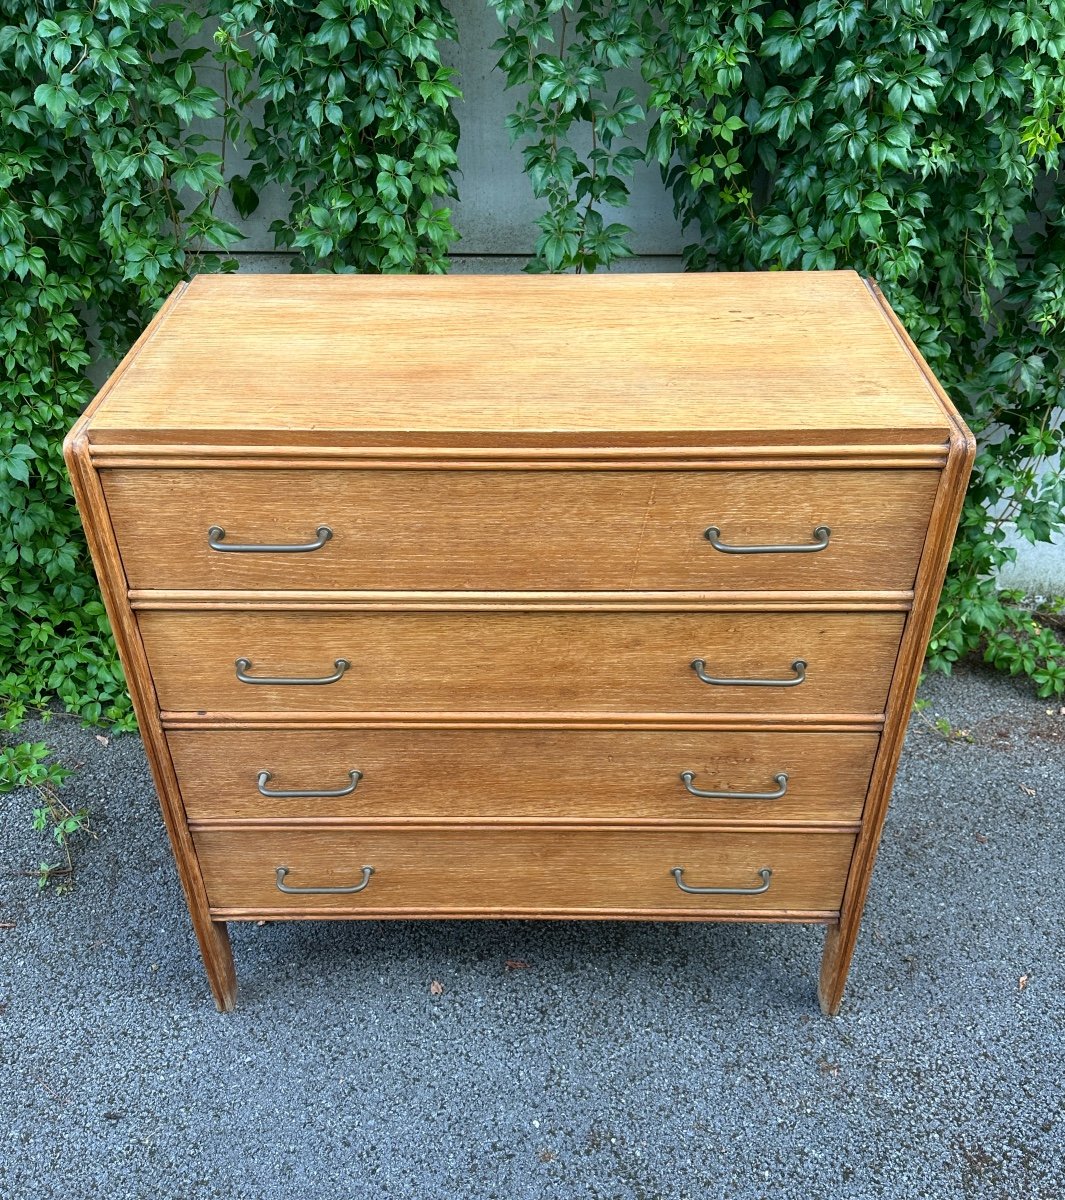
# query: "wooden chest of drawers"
(523, 596)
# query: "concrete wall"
(1039, 570)
(496, 212)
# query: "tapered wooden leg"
(213, 937)
(835, 963)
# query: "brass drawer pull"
(216, 534)
(243, 664)
(689, 777)
(798, 666)
(264, 779)
(821, 537)
(765, 874)
(282, 886)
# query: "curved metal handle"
(698, 665)
(216, 534)
(282, 886)
(243, 664)
(765, 874)
(689, 776)
(265, 777)
(821, 537)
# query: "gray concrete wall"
(496, 211)
(1039, 570)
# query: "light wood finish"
(459, 775)
(702, 359)
(532, 870)
(441, 719)
(596, 662)
(751, 916)
(523, 468)
(501, 531)
(542, 458)
(144, 599)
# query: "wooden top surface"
(713, 359)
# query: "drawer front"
(530, 773)
(494, 662)
(522, 871)
(520, 530)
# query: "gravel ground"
(624, 1061)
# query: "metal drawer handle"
(689, 777)
(798, 666)
(765, 874)
(216, 534)
(265, 777)
(243, 664)
(282, 886)
(821, 536)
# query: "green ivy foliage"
(567, 97)
(115, 118)
(106, 203)
(356, 126)
(916, 142)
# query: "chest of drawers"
(522, 596)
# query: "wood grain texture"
(791, 916)
(841, 940)
(716, 358)
(270, 456)
(540, 459)
(534, 774)
(443, 530)
(210, 933)
(144, 599)
(442, 719)
(522, 870)
(485, 662)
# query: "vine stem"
(558, 103)
(578, 269)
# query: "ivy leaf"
(334, 34)
(14, 462)
(55, 97)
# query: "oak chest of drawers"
(523, 596)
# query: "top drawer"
(521, 530)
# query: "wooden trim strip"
(463, 825)
(757, 461)
(143, 600)
(693, 722)
(329, 454)
(841, 940)
(805, 916)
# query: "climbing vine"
(106, 203)
(115, 120)
(356, 127)
(568, 96)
